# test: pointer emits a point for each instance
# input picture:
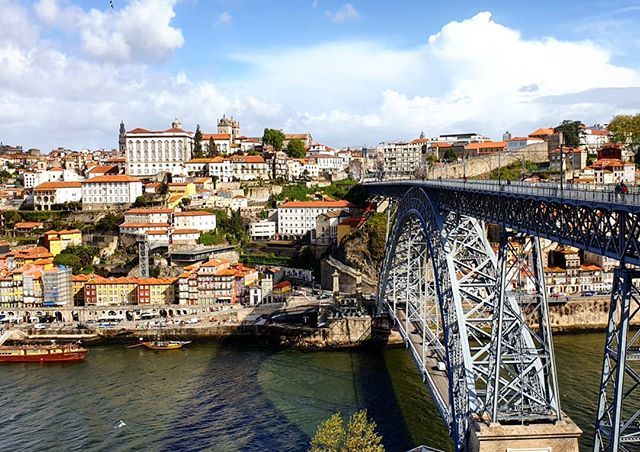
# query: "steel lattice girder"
(524, 383)
(611, 233)
(419, 225)
(617, 422)
(414, 297)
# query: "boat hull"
(44, 357)
(165, 346)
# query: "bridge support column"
(560, 436)
(617, 424)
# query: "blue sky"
(351, 73)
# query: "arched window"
(138, 150)
(153, 150)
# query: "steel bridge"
(476, 320)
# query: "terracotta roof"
(486, 145)
(282, 285)
(207, 160)
(57, 169)
(157, 232)
(103, 169)
(316, 204)
(193, 213)
(147, 211)
(543, 131)
(215, 136)
(28, 225)
(247, 158)
(441, 144)
(46, 186)
(185, 231)
(215, 262)
(144, 225)
(114, 178)
(71, 231)
(418, 140)
(590, 268)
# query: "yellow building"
(56, 241)
(100, 291)
(156, 291)
(77, 286)
(179, 191)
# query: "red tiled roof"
(45, 186)
(144, 225)
(543, 131)
(28, 225)
(247, 158)
(147, 211)
(111, 179)
(315, 204)
(215, 136)
(486, 145)
(103, 169)
(193, 213)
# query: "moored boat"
(165, 345)
(41, 353)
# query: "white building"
(516, 143)
(249, 167)
(162, 216)
(106, 191)
(593, 138)
(195, 219)
(222, 142)
(262, 230)
(49, 194)
(401, 159)
(329, 163)
(296, 218)
(151, 152)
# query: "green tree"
(212, 149)
(4, 175)
(78, 257)
(197, 145)
(141, 201)
(625, 130)
(10, 218)
(376, 231)
(449, 155)
(359, 436)
(571, 132)
(296, 149)
(109, 222)
(273, 137)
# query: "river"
(225, 397)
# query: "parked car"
(588, 293)
(40, 326)
(193, 320)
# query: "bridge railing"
(579, 192)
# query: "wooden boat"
(165, 345)
(41, 353)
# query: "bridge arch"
(445, 289)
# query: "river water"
(225, 397)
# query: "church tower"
(122, 139)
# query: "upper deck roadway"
(594, 219)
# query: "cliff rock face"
(364, 249)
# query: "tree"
(450, 155)
(78, 257)
(360, 435)
(571, 132)
(197, 146)
(625, 129)
(212, 149)
(273, 138)
(110, 222)
(296, 149)
(9, 218)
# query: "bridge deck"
(593, 194)
(438, 381)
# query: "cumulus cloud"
(224, 18)
(344, 13)
(140, 32)
(471, 75)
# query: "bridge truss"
(476, 325)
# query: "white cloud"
(344, 13)
(472, 75)
(139, 32)
(224, 18)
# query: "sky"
(351, 73)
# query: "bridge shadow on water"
(228, 410)
(231, 407)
